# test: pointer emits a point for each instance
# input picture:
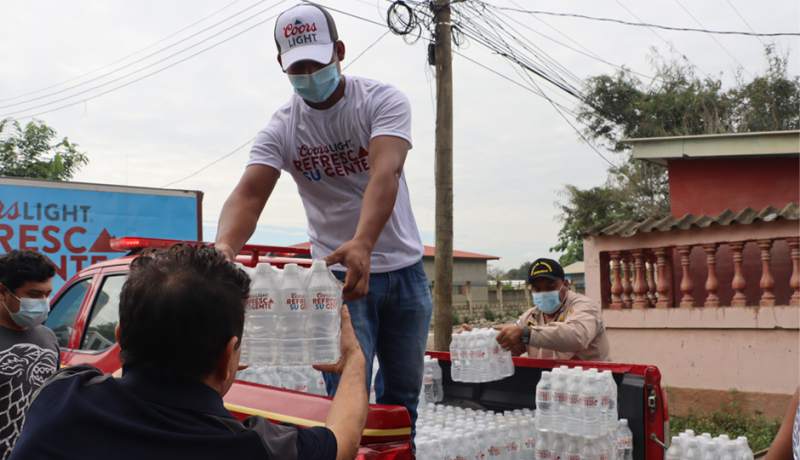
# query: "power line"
(249, 141)
(746, 23)
(159, 70)
(719, 43)
(122, 59)
(657, 26)
(154, 53)
(669, 44)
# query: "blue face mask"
(318, 86)
(547, 302)
(32, 312)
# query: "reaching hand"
(355, 255)
(351, 350)
(510, 336)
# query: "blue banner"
(73, 225)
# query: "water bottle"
(456, 365)
(324, 293)
(259, 341)
(292, 315)
(609, 400)
(560, 410)
(544, 400)
(590, 397)
(589, 449)
(574, 402)
(674, 452)
(544, 445)
(438, 385)
(624, 441)
(692, 450)
(559, 445)
(427, 380)
(728, 450)
(745, 452)
(573, 451)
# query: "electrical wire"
(746, 23)
(657, 26)
(152, 54)
(719, 43)
(122, 59)
(157, 71)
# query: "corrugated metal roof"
(664, 224)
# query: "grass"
(732, 420)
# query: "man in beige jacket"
(561, 325)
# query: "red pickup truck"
(85, 312)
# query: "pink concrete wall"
(732, 183)
(743, 348)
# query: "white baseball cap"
(305, 32)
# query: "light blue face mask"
(32, 312)
(318, 86)
(547, 302)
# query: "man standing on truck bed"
(28, 350)
(344, 140)
(181, 317)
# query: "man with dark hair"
(28, 350)
(181, 323)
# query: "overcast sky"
(513, 154)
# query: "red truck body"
(387, 434)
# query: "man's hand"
(351, 350)
(355, 255)
(510, 336)
(226, 251)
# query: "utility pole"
(443, 287)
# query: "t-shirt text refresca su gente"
(326, 152)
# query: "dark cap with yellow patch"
(545, 268)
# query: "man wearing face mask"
(562, 324)
(344, 140)
(28, 350)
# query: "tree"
(520, 273)
(677, 102)
(34, 151)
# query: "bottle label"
(494, 451)
(321, 301)
(296, 302)
(543, 395)
(574, 457)
(561, 396)
(624, 443)
(606, 402)
(590, 402)
(543, 454)
(260, 302)
(574, 399)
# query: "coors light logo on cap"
(305, 32)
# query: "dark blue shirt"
(84, 414)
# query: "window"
(100, 334)
(62, 316)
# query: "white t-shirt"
(325, 151)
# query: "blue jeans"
(392, 321)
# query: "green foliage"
(677, 102)
(520, 273)
(488, 314)
(457, 319)
(35, 152)
(730, 420)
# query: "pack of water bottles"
(293, 316)
(577, 408)
(297, 378)
(477, 357)
(447, 432)
(432, 385)
(688, 446)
